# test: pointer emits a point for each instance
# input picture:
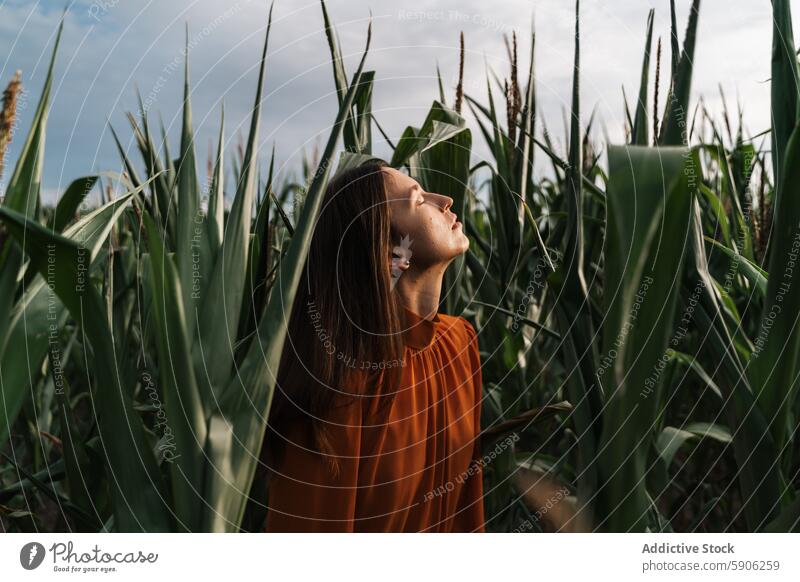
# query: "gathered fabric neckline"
(419, 332)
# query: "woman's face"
(424, 217)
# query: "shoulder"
(470, 331)
(462, 344)
(460, 329)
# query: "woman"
(376, 411)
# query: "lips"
(455, 223)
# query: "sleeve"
(469, 512)
(304, 494)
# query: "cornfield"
(635, 306)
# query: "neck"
(420, 290)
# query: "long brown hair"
(345, 316)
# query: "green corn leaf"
(784, 88)
(225, 289)
(216, 202)
(674, 129)
(774, 363)
(673, 438)
(674, 41)
(70, 201)
(413, 140)
(22, 193)
(339, 74)
(161, 189)
(357, 131)
(258, 267)
(718, 208)
(758, 473)
(573, 310)
(740, 230)
(163, 197)
(440, 84)
(363, 119)
(528, 125)
(640, 126)
(755, 274)
(189, 247)
(694, 364)
(409, 143)
(649, 203)
(186, 417)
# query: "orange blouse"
(417, 470)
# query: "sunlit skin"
(437, 239)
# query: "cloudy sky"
(111, 47)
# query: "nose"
(444, 201)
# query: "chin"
(465, 246)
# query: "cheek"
(416, 225)
(433, 241)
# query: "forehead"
(398, 185)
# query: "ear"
(400, 264)
(403, 248)
(401, 255)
